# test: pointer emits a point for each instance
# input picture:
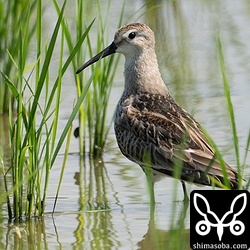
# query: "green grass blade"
(46, 64)
(221, 161)
(66, 65)
(230, 108)
(247, 149)
(71, 118)
(63, 166)
(11, 86)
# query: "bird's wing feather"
(170, 138)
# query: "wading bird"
(150, 128)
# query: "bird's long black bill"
(111, 49)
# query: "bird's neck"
(142, 74)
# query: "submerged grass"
(35, 144)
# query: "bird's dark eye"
(132, 35)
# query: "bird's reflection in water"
(177, 237)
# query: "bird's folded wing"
(172, 138)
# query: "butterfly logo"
(210, 219)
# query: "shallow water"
(104, 203)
